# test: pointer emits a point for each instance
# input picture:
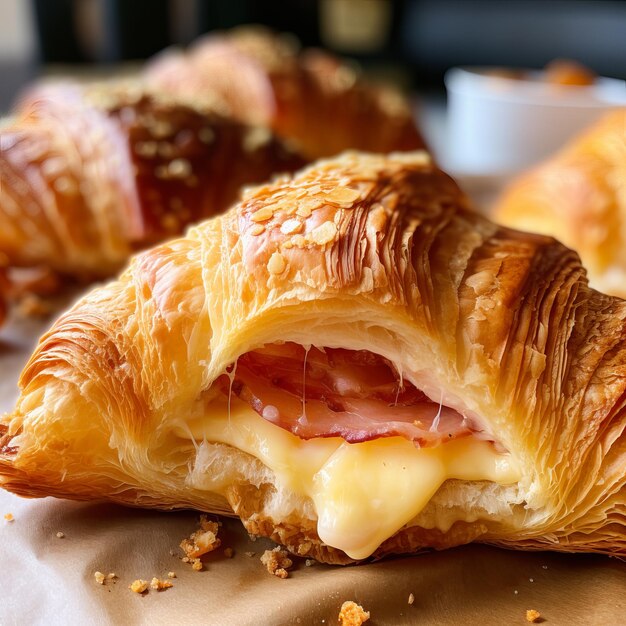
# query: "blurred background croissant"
(158, 112)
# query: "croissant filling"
(332, 392)
(343, 430)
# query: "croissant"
(91, 174)
(353, 362)
(4, 290)
(312, 99)
(579, 197)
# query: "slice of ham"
(356, 395)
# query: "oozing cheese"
(363, 492)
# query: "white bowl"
(501, 125)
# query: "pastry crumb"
(228, 553)
(277, 562)
(171, 574)
(9, 517)
(411, 598)
(111, 576)
(99, 576)
(352, 614)
(203, 540)
(196, 565)
(138, 586)
(533, 616)
(250, 554)
(310, 562)
(160, 585)
(60, 535)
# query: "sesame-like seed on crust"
(262, 215)
(276, 264)
(206, 135)
(179, 168)
(343, 195)
(291, 226)
(324, 233)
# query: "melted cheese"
(363, 492)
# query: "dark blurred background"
(411, 41)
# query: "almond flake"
(343, 195)
(257, 229)
(291, 226)
(276, 264)
(262, 215)
(324, 233)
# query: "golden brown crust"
(311, 98)
(385, 248)
(579, 197)
(91, 174)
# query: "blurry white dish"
(498, 124)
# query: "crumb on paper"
(516, 592)
(277, 562)
(532, 580)
(9, 517)
(411, 599)
(160, 585)
(310, 562)
(172, 552)
(252, 537)
(203, 540)
(228, 553)
(196, 565)
(101, 578)
(352, 614)
(171, 574)
(544, 567)
(250, 554)
(138, 586)
(533, 616)
(60, 535)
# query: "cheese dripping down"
(363, 492)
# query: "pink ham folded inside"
(332, 392)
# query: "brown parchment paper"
(48, 580)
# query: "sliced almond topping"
(299, 241)
(257, 229)
(291, 226)
(343, 195)
(276, 264)
(324, 233)
(262, 215)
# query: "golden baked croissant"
(311, 98)
(354, 363)
(579, 197)
(4, 290)
(90, 174)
